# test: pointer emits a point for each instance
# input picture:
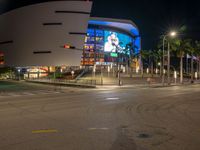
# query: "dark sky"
(153, 17)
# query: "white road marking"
(112, 98)
(28, 93)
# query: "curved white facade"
(34, 35)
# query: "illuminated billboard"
(115, 42)
(106, 46)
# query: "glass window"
(99, 32)
(90, 32)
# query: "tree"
(158, 58)
(144, 55)
(192, 53)
(130, 50)
(196, 53)
(154, 57)
(151, 55)
(181, 47)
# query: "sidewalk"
(113, 81)
(60, 82)
(154, 82)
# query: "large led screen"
(115, 42)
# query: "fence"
(77, 82)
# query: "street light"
(171, 34)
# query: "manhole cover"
(144, 135)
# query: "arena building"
(62, 33)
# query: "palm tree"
(130, 50)
(192, 52)
(151, 55)
(197, 53)
(181, 47)
(144, 55)
(129, 53)
(154, 57)
(158, 58)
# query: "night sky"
(153, 17)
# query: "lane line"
(44, 131)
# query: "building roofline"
(122, 24)
(126, 21)
(8, 10)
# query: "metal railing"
(64, 81)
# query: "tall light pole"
(19, 70)
(171, 34)
(118, 69)
(163, 65)
(168, 64)
(101, 75)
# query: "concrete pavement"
(101, 119)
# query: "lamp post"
(163, 65)
(19, 73)
(101, 75)
(171, 34)
(168, 64)
(118, 69)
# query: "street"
(105, 118)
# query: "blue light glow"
(126, 26)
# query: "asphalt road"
(49, 118)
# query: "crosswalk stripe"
(28, 93)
